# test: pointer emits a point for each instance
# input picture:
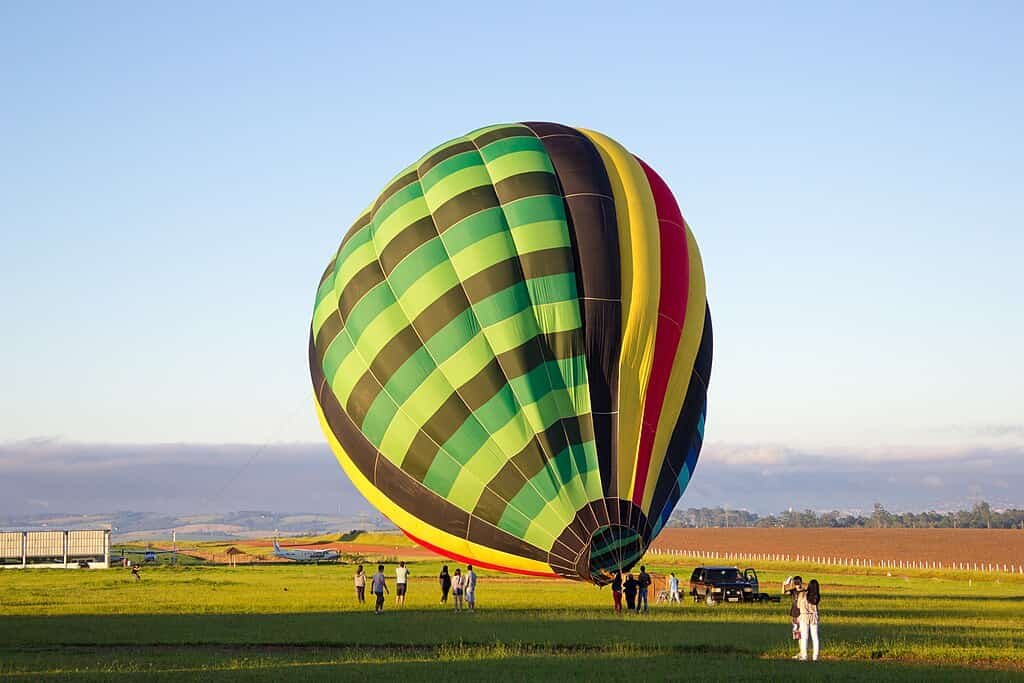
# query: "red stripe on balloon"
(469, 560)
(675, 285)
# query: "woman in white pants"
(808, 602)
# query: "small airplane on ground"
(306, 554)
(149, 554)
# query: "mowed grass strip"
(302, 621)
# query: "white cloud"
(981, 455)
(49, 454)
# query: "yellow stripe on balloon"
(682, 367)
(640, 267)
(414, 525)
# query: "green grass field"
(267, 622)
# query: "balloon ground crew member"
(401, 583)
(360, 583)
(644, 581)
(629, 587)
(379, 586)
(470, 584)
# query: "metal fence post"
(24, 549)
(65, 549)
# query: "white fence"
(840, 561)
(66, 549)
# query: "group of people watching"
(803, 611)
(635, 589)
(462, 586)
(379, 586)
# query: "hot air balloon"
(510, 352)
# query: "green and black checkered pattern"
(448, 326)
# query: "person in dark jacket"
(629, 587)
(645, 585)
(617, 591)
(794, 586)
(446, 584)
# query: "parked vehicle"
(724, 584)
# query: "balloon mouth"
(613, 548)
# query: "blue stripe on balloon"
(689, 463)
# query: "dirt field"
(945, 545)
(990, 546)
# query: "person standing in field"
(457, 582)
(630, 587)
(617, 591)
(379, 587)
(401, 581)
(673, 589)
(644, 584)
(793, 586)
(446, 584)
(470, 586)
(360, 585)
(808, 603)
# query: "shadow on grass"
(465, 662)
(551, 629)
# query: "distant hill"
(226, 526)
(304, 484)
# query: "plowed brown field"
(941, 545)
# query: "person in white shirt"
(673, 589)
(401, 581)
(360, 585)
(808, 602)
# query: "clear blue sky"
(174, 178)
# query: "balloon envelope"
(510, 351)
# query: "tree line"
(981, 516)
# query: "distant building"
(55, 549)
